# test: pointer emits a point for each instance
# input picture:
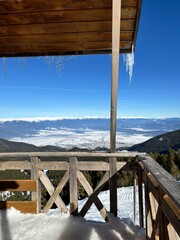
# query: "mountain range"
(84, 133)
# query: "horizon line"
(38, 119)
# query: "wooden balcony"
(160, 214)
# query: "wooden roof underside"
(62, 27)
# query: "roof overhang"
(64, 27)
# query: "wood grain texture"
(23, 206)
(50, 20)
(18, 185)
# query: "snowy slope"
(57, 226)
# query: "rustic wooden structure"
(159, 211)
(43, 27)
(67, 27)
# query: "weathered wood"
(80, 15)
(171, 212)
(89, 191)
(116, 16)
(61, 47)
(53, 165)
(36, 196)
(11, 6)
(113, 185)
(140, 197)
(73, 186)
(74, 27)
(172, 233)
(70, 154)
(23, 206)
(65, 38)
(50, 188)
(98, 188)
(56, 193)
(14, 165)
(90, 200)
(18, 185)
(134, 196)
(149, 227)
(165, 181)
(25, 19)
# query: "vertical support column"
(113, 185)
(140, 193)
(134, 193)
(36, 196)
(73, 186)
(116, 16)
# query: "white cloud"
(86, 138)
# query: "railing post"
(113, 185)
(140, 194)
(134, 193)
(36, 196)
(73, 186)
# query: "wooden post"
(140, 194)
(73, 186)
(116, 16)
(36, 196)
(113, 185)
(134, 193)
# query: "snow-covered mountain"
(84, 132)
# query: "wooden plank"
(53, 165)
(36, 196)
(89, 191)
(14, 165)
(18, 185)
(56, 194)
(113, 185)
(64, 38)
(116, 16)
(50, 188)
(172, 233)
(82, 15)
(98, 188)
(12, 6)
(73, 186)
(134, 196)
(23, 206)
(92, 166)
(149, 227)
(70, 154)
(172, 213)
(140, 196)
(165, 181)
(74, 27)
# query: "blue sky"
(32, 88)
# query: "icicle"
(129, 61)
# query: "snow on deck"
(59, 226)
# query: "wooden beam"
(56, 194)
(23, 206)
(113, 185)
(36, 196)
(18, 185)
(50, 188)
(70, 154)
(116, 16)
(73, 188)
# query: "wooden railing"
(162, 200)
(161, 214)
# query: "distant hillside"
(10, 146)
(160, 143)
